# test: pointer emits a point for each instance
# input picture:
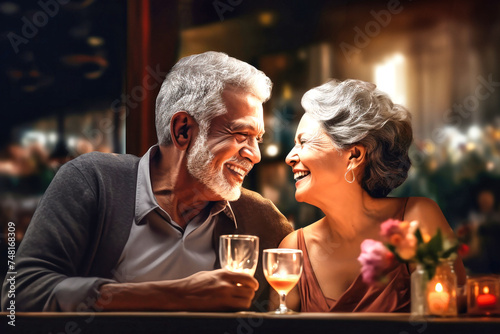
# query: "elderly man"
(117, 232)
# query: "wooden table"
(242, 323)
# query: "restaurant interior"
(83, 75)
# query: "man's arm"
(54, 245)
(218, 290)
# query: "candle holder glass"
(441, 292)
(483, 295)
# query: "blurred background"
(81, 76)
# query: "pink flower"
(401, 235)
(375, 258)
(390, 227)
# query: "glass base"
(283, 310)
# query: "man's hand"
(218, 290)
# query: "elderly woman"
(351, 150)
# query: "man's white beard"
(199, 165)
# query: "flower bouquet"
(404, 242)
(433, 282)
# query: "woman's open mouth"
(300, 175)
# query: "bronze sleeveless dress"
(359, 297)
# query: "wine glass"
(239, 253)
(282, 268)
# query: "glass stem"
(283, 308)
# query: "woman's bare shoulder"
(427, 212)
(418, 207)
(290, 241)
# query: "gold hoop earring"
(353, 177)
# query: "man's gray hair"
(195, 85)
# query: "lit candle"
(486, 300)
(438, 300)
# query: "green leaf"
(447, 253)
(419, 237)
(421, 253)
(430, 270)
(435, 245)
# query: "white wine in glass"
(282, 268)
(239, 253)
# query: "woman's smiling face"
(316, 163)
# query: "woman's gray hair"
(354, 112)
(195, 85)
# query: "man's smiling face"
(222, 158)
